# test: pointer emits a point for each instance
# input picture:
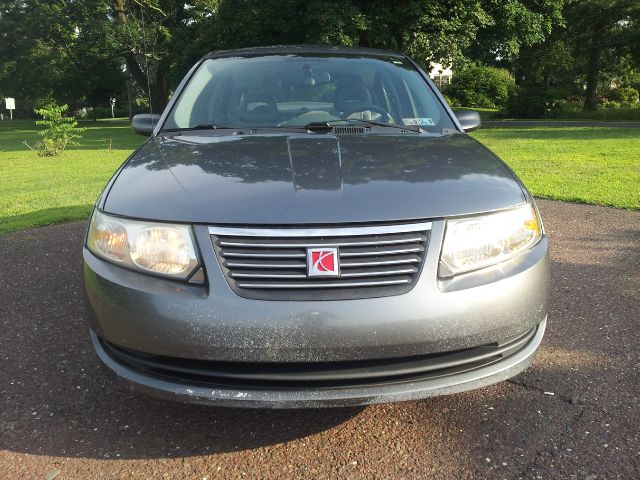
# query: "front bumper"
(160, 317)
(413, 389)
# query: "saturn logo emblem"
(323, 262)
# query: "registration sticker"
(418, 121)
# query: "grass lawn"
(42, 190)
(599, 165)
(593, 165)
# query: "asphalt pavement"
(575, 414)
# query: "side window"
(186, 108)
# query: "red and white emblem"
(322, 262)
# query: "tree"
(430, 31)
(32, 67)
(57, 50)
(514, 25)
(74, 50)
(598, 27)
(150, 34)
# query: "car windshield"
(299, 90)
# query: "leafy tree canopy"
(82, 52)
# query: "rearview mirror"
(307, 78)
(144, 123)
(469, 119)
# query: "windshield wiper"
(202, 126)
(390, 125)
(318, 126)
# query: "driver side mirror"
(144, 123)
(469, 119)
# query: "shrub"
(604, 114)
(535, 102)
(59, 131)
(448, 100)
(481, 87)
(624, 96)
(555, 104)
(101, 112)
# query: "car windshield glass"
(298, 90)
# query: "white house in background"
(440, 75)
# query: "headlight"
(477, 242)
(161, 248)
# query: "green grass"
(599, 165)
(602, 114)
(42, 190)
(593, 165)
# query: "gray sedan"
(311, 226)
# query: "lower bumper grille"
(272, 264)
(316, 374)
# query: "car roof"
(303, 49)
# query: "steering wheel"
(371, 108)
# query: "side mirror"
(469, 119)
(144, 123)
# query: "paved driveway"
(574, 414)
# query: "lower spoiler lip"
(324, 397)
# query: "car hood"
(202, 177)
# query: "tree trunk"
(129, 100)
(158, 95)
(593, 73)
(156, 87)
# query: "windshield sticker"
(418, 121)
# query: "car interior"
(297, 93)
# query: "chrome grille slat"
(336, 284)
(264, 254)
(379, 272)
(382, 251)
(285, 275)
(264, 265)
(267, 263)
(377, 262)
(321, 232)
(327, 243)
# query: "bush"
(624, 96)
(101, 112)
(481, 87)
(556, 104)
(448, 100)
(535, 102)
(60, 131)
(603, 114)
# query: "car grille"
(317, 374)
(271, 264)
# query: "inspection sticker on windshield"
(418, 121)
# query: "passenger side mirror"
(144, 123)
(469, 119)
